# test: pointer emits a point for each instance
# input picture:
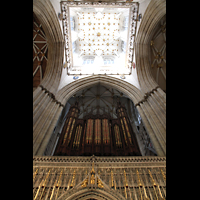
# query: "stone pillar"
(150, 128)
(45, 116)
(50, 129)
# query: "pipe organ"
(99, 135)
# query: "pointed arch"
(153, 14)
(96, 193)
(128, 89)
(46, 14)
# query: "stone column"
(54, 116)
(150, 130)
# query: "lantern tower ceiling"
(99, 38)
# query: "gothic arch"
(131, 91)
(96, 193)
(152, 16)
(69, 90)
(86, 190)
(45, 13)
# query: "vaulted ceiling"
(98, 99)
(158, 54)
(40, 50)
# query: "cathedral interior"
(99, 99)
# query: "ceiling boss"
(99, 38)
(98, 30)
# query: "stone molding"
(146, 96)
(103, 162)
(51, 95)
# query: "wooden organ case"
(97, 135)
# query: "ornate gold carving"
(73, 179)
(141, 186)
(163, 174)
(139, 182)
(126, 184)
(85, 183)
(100, 184)
(44, 184)
(153, 181)
(112, 182)
(36, 171)
(92, 178)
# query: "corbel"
(146, 96)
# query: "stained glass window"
(106, 136)
(117, 135)
(89, 132)
(97, 131)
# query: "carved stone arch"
(47, 16)
(153, 14)
(128, 89)
(85, 189)
(96, 193)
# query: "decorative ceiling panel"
(99, 37)
(98, 100)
